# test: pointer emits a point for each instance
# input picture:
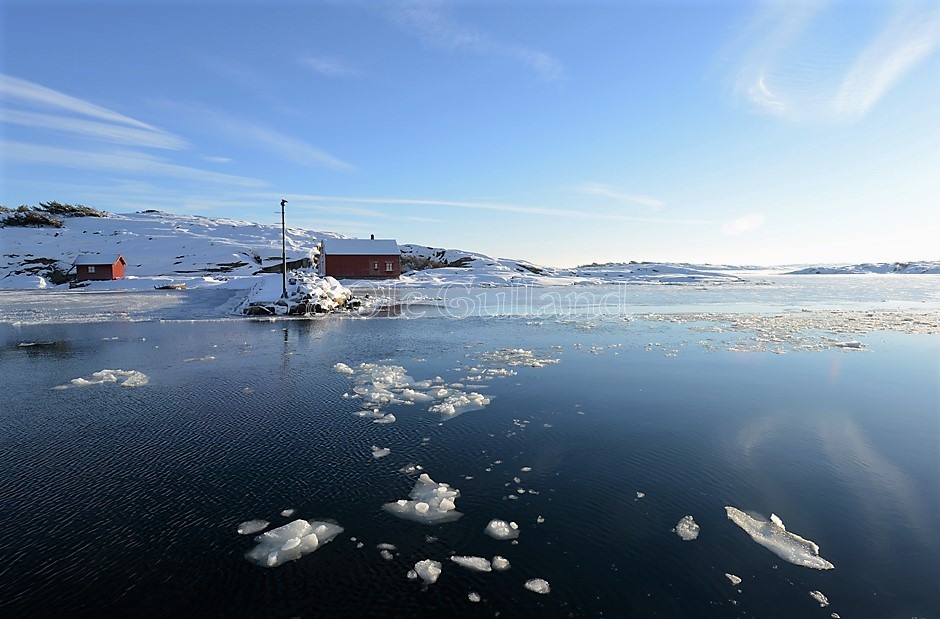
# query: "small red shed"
(360, 258)
(98, 267)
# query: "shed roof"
(361, 247)
(96, 259)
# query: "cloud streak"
(98, 122)
(787, 72)
(614, 193)
(742, 225)
(427, 20)
(330, 67)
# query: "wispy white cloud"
(330, 67)
(121, 161)
(429, 20)
(217, 159)
(619, 195)
(743, 224)
(81, 117)
(278, 144)
(785, 69)
(302, 199)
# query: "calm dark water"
(125, 501)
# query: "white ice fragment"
(478, 564)
(431, 502)
(500, 529)
(389, 418)
(287, 513)
(250, 527)
(538, 585)
(526, 469)
(687, 529)
(735, 580)
(412, 575)
(126, 378)
(819, 597)
(384, 546)
(388, 556)
(774, 536)
(428, 570)
(853, 345)
(540, 520)
(473, 596)
(500, 564)
(342, 368)
(291, 541)
(640, 495)
(380, 452)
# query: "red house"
(95, 266)
(360, 258)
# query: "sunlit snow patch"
(126, 378)
(291, 541)
(431, 503)
(774, 536)
(538, 585)
(250, 527)
(478, 564)
(687, 529)
(500, 529)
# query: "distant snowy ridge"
(921, 267)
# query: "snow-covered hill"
(922, 267)
(156, 245)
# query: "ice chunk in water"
(126, 378)
(342, 368)
(432, 503)
(250, 527)
(479, 564)
(428, 570)
(380, 452)
(538, 585)
(774, 536)
(500, 564)
(500, 529)
(735, 580)
(291, 541)
(287, 513)
(473, 596)
(819, 597)
(389, 418)
(458, 403)
(687, 529)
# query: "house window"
(91, 269)
(375, 266)
(388, 267)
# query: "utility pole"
(283, 251)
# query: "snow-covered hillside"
(928, 267)
(154, 244)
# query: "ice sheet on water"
(500, 529)
(342, 368)
(387, 418)
(774, 536)
(125, 378)
(819, 597)
(478, 564)
(431, 503)
(291, 541)
(250, 527)
(538, 585)
(380, 452)
(735, 580)
(500, 564)
(687, 529)
(458, 403)
(428, 570)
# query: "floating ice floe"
(291, 541)
(431, 503)
(126, 378)
(775, 537)
(500, 564)
(387, 418)
(250, 527)
(458, 403)
(735, 580)
(473, 596)
(687, 529)
(640, 495)
(500, 529)
(287, 513)
(538, 585)
(429, 571)
(477, 564)
(342, 368)
(819, 597)
(380, 452)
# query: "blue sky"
(560, 132)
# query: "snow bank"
(919, 267)
(431, 503)
(774, 536)
(307, 293)
(291, 541)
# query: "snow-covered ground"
(920, 267)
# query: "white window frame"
(91, 268)
(375, 266)
(389, 267)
